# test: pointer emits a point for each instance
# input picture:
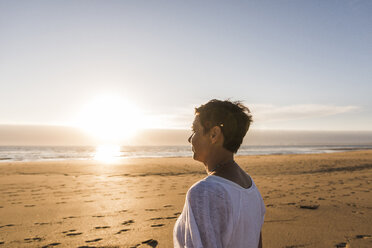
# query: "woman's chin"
(196, 158)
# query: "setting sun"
(110, 119)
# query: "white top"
(220, 213)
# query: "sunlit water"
(108, 153)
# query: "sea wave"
(42, 153)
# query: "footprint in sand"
(151, 209)
(51, 245)
(2, 242)
(7, 225)
(313, 207)
(363, 236)
(157, 225)
(93, 240)
(294, 246)
(158, 218)
(73, 234)
(151, 242)
(122, 230)
(98, 216)
(41, 224)
(29, 240)
(72, 230)
(102, 227)
(29, 206)
(69, 217)
(128, 222)
(342, 245)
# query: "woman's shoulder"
(206, 188)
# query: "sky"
(298, 65)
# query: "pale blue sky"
(296, 64)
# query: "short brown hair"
(233, 118)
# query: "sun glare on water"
(107, 153)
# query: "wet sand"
(314, 200)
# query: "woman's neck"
(218, 158)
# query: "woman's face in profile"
(200, 142)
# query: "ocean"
(53, 153)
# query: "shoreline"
(122, 160)
(67, 154)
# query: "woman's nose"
(189, 139)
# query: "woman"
(225, 209)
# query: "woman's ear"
(215, 134)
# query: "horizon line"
(185, 129)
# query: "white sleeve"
(186, 233)
(207, 218)
(263, 208)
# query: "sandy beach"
(313, 200)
